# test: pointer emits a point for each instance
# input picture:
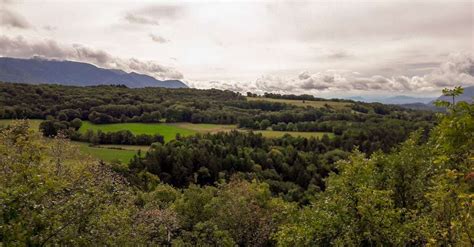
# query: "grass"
(207, 128)
(124, 147)
(106, 154)
(168, 131)
(276, 134)
(300, 103)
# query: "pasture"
(276, 134)
(168, 131)
(107, 153)
(206, 128)
(303, 103)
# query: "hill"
(41, 71)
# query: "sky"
(336, 48)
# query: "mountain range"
(38, 71)
(415, 101)
(394, 100)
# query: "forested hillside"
(371, 126)
(242, 189)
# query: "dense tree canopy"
(421, 194)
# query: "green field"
(301, 103)
(206, 128)
(275, 134)
(168, 131)
(106, 154)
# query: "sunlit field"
(304, 103)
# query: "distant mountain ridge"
(466, 96)
(394, 100)
(40, 71)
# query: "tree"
(264, 124)
(456, 91)
(76, 123)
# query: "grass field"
(166, 130)
(275, 134)
(206, 128)
(106, 154)
(169, 131)
(316, 104)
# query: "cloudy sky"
(326, 48)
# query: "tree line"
(53, 127)
(119, 104)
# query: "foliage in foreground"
(421, 194)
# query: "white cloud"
(12, 19)
(457, 70)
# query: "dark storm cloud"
(20, 47)
(11, 19)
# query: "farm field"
(275, 134)
(106, 154)
(316, 104)
(206, 128)
(168, 131)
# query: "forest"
(386, 176)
